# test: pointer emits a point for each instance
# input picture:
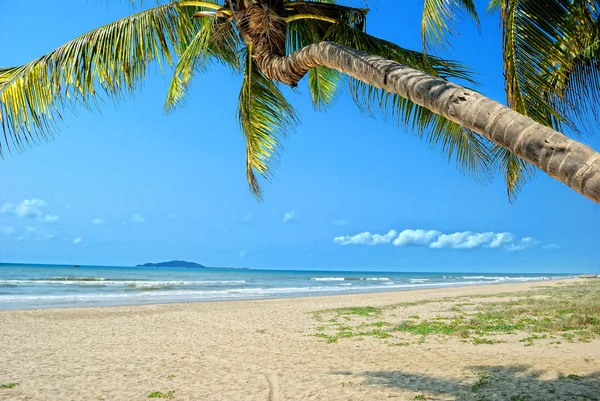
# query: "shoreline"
(356, 292)
(243, 350)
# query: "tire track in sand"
(273, 386)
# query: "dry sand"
(266, 350)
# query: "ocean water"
(50, 286)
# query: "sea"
(28, 286)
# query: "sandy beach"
(279, 349)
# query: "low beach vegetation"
(548, 315)
(158, 394)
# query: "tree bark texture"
(562, 158)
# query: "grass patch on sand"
(568, 311)
(9, 385)
(157, 394)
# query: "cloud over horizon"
(290, 217)
(438, 240)
(138, 218)
(33, 208)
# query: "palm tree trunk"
(562, 158)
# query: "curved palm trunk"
(562, 158)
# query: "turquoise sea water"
(48, 286)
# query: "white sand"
(266, 350)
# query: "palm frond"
(516, 171)
(470, 152)
(265, 117)
(356, 17)
(551, 68)
(324, 86)
(323, 83)
(574, 88)
(440, 18)
(346, 35)
(530, 52)
(215, 39)
(111, 59)
(551, 55)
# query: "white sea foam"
(350, 278)
(231, 293)
(137, 283)
(328, 278)
(503, 278)
(418, 280)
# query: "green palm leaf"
(265, 117)
(215, 39)
(111, 59)
(439, 20)
(516, 171)
(323, 82)
(550, 52)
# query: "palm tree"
(281, 41)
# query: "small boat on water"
(75, 266)
(588, 276)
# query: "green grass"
(9, 385)
(157, 394)
(400, 344)
(482, 340)
(358, 311)
(483, 379)
(570, 311)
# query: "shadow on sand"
(513, 383)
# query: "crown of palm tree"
(188, 35)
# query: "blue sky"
(133, 184)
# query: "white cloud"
(7, 208)
(8, 230)
(243, 253)
(289, 217)
(552, 247)
(35, 233)
(51, 218)
(341, 223)
(97, 221)
(501, 239)
(470, 240)
(437, 240)
(138, 218)
(523, 244)
(416, 237)
(77, 240)
(30, 208)
(246, 218)
(366, 238)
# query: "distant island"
(183, 263)
(174, 263)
